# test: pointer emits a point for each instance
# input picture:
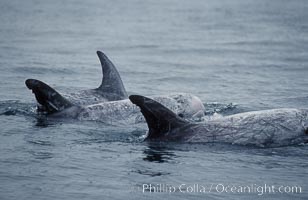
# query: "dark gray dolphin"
(112, 112)
(111, 88)
(268, 128)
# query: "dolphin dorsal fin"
(47, 97)
(112, 87)
(160, 119)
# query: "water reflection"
(157, 156)
(158, 152)
(42, 122)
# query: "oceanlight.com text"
(258, 189)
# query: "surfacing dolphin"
(268, 128)
(113, 112)
(111, 88)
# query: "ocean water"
(237, 56)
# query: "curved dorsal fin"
(112, 87)
(160, 119)
(48, 97)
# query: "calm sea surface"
(237, 56)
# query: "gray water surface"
(237, 56)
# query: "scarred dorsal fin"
(160, 119)
(112, 87)
(49, 98)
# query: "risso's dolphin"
(111, 88)
(113, 112)
(268, 128)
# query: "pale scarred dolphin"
(113, 112)
(268, 128)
